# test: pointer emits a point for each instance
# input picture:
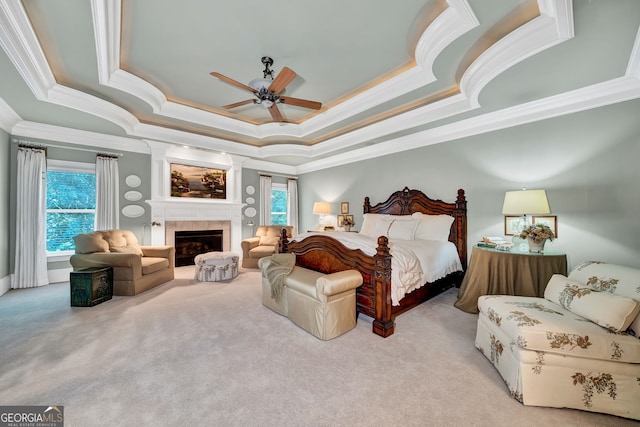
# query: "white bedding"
(413, 262)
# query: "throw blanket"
(277, 271)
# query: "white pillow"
(368, 223)
(610, 311)
(618, 279)
(433, 227)
(396, 227)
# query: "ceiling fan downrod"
(268, 62)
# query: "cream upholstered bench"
(216, 266)
(322, 304)
(578, 347)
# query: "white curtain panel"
(107, 193)
(31, 219)
(265, 200)
(292, 203)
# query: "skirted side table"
(494, 272)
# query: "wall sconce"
(322, 209)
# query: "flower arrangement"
(347, 221)
(538, 232)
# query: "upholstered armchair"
(135, 268)
(265, 243)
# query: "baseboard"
(59, 275)
(5, 284)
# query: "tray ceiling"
(388, 74)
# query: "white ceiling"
(391, 75)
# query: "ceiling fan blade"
(233, 82)
(275, 113)
(239, 104)
(282, 80)
(301, 102)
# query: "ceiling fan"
(268, 90)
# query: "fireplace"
(190, 243)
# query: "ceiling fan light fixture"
(267, 103)
(260, 83)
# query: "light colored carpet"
(189, 353)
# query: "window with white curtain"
(279, 214)
(71, 203)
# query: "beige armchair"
(265, 243)
(135, 268)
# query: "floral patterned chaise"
(578, 347)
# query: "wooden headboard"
(406, 202)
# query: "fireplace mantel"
(165, 208)
(181, 210)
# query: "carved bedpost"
(284, 242)
(461, 220)
(366, 208)
(383, 324)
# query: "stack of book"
(496, 243)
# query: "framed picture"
(344, 207)
(512, 225)
(349, 218)
(340, 220)
(198, 182)
(549, 221)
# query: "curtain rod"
(277, 174)
(46, 144)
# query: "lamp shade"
(525, 202)
(321, 208)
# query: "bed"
(325, 253)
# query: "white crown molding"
(269, 166)
(21, 45)
(27, 129)
(536, 35)
(633, 68)
(598, 95)
(8, 117)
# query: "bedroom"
(585, 160)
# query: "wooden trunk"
(91, 286)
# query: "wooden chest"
(91, 286)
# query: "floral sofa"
(578, 347)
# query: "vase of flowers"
(537, 235)
(347, 223)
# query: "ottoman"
(216, 266)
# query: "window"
(71, 203)
(279, 204)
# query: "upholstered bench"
(216, 266)
(322, 304)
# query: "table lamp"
(525, 202)
(322, 209)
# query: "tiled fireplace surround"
(177, 214)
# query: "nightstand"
(497, 272)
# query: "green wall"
(587, 162)
(4, 202)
